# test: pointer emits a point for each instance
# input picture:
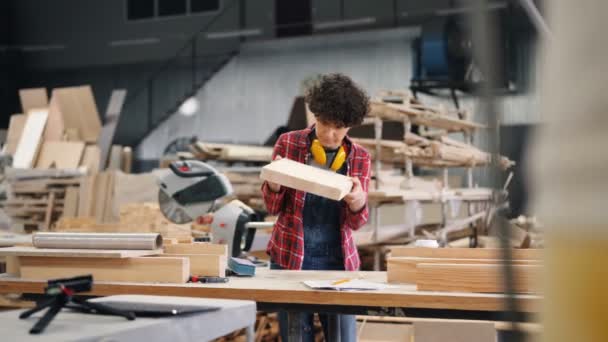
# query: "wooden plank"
(15, 128)
(482, 278)
(91, 158)
(138, 269)
(307, 178)
(77, 253)
(33, 98)
(60, 155)
(460, 331)
(105, 142)
(133, 188)
(79, 111)
(55, 128)
(211, 265)
(70, 206)
(48, 215)
(464, 253)
(115, 159)
(197, 248)
(100, 195)
(29, 143)
(404, 269)
(126, 159)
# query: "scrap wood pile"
(54, 145)
(464, 269)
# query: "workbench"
(279, 289)
(73, 326)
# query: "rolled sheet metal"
(144, 241)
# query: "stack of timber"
(173, 264)
(134, 217)
(54, 137)
(430, 144)
(105, 263)
(37, 198)
(247, 186)
(463, 269)
(439, 152)
(206, 259)
(231, 152)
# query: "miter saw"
(190, 189)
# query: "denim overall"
(322, 251)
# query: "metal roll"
(140, 241)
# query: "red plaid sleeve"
(274, 200)
(361, 169)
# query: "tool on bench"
(190, 189)
(61, 292)
(197, 279)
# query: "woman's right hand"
(274, 186)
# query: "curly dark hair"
(335, 98)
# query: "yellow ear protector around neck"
(318, 154)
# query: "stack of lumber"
(247, 186)
(63, 133)
(37, 199)
(205, 259)
(173, 264)
(440, 152)
(231, 152)
(134, 217)
(463, 269)
(423, 115)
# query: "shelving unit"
(434, 150)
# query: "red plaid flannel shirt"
(286, 245)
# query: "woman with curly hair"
(313, 232)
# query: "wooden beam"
(404, 269)
(33, 98)
(197, 248)
(29, 143)
(60, 155)
(163, 270)
(211, 265)
(307, 178)
(482, 278)
(15, 128)
(80, 253)
(464, 253)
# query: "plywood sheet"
(15, 128)
(77, 253)
(70, 203)
(307, 178)
(91, 158)
(60, 155)
(55, 129)
(33, 98)
(79, 111)
(138, 269)
(29, 143)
